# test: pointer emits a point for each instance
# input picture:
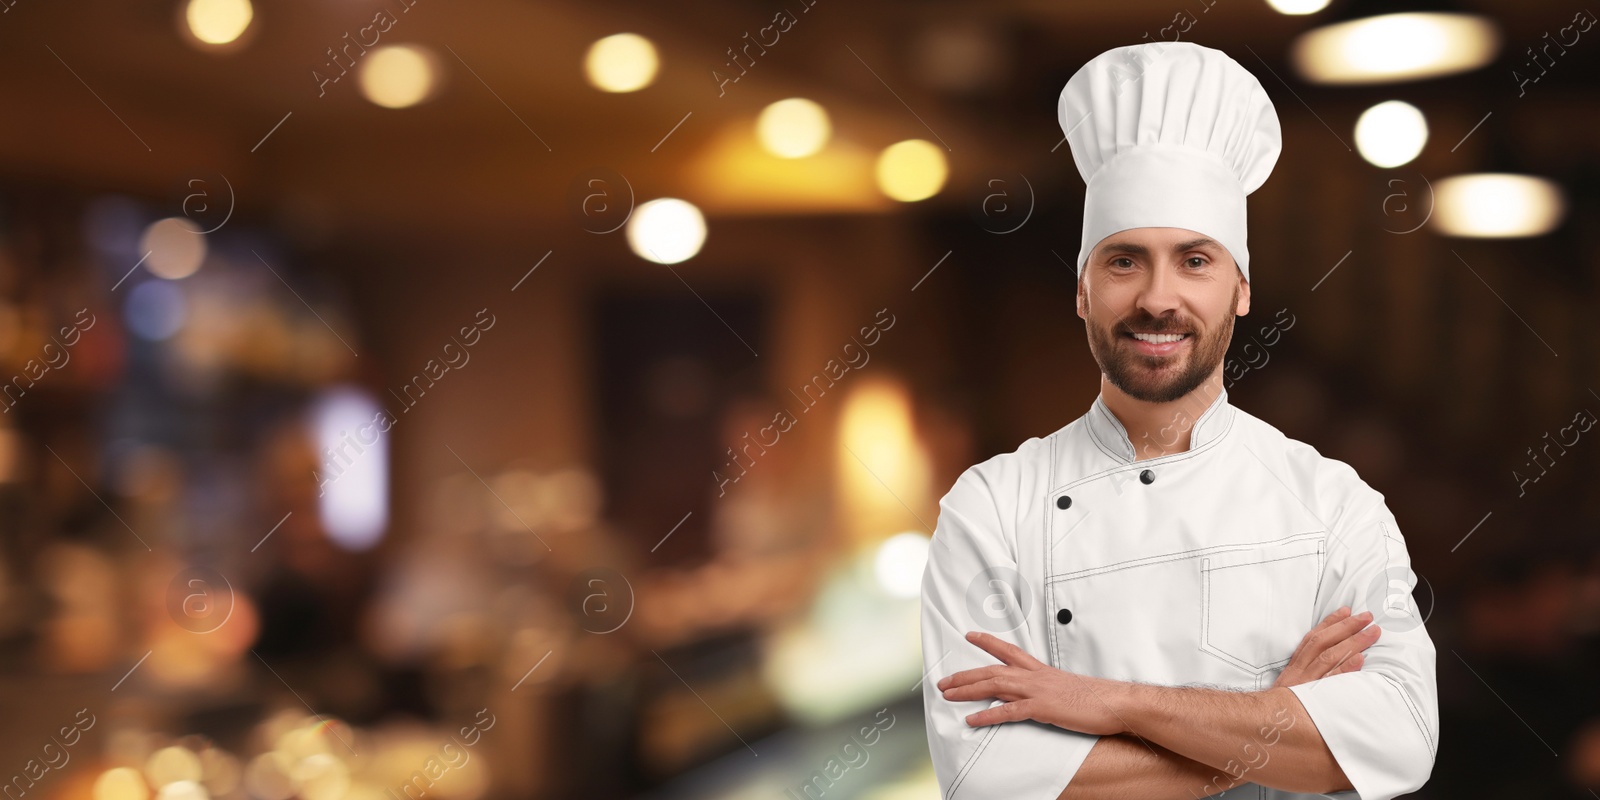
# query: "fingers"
(975, 684)
(999, 688)
(1350, 664)
(1003, 650)
(967, 676)
(1333, 647)
(1340, 613)
(1010, 712)
(1319, 640)
(1343, 656)
(1334, 660)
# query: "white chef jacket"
(1204, 567)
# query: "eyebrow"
(1141, 250)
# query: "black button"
(1063, 616)
(1063, 502)
(1147, 477)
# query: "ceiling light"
(793, 128)
(1391, 133)
(218, 22)
(1297, 7)
(398, 76)
(1395, 47)
(912, 170)
(1497, 205)
(666, 231)
(625, 62)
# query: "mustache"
(1155, 325)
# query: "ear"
(1083, 297)
(1243, 307)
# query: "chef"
(1167, 597)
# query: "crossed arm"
(1210, 740)
(1175, 742)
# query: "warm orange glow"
(735, 175)
(883, 469)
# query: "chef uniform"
(1201, 567)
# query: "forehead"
(1147, 240)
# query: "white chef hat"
(1169, 135)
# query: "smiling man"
(1168, 597)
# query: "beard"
(1160, 379)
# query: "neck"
(1158, 429)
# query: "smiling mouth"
(1158, 338)
(1158, 345)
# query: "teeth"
(1160, 338)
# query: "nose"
(1159, 295)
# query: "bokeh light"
(176, 248)
(666, 231)
(398, 76)
(321, 776)
(172, 764)
(121, 783)
(183, 790)
(352, 441)
(1391, 133)
(155, 310)
(1391, 47)
(268, 776)
(624, 62)
(793, 128)
(1297, 8)
(1497, 205)
(218, 22)
(912, 170)
(900, 562)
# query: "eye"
(1119, 261)
(1192, 259)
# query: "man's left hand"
(1034, 690)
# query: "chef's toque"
(1169, 135)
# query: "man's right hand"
(1331, 648)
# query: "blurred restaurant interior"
(556, 398)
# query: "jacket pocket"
(1257, 604)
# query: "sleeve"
(1381, 722)
(972, 583)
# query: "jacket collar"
(1205, 424)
